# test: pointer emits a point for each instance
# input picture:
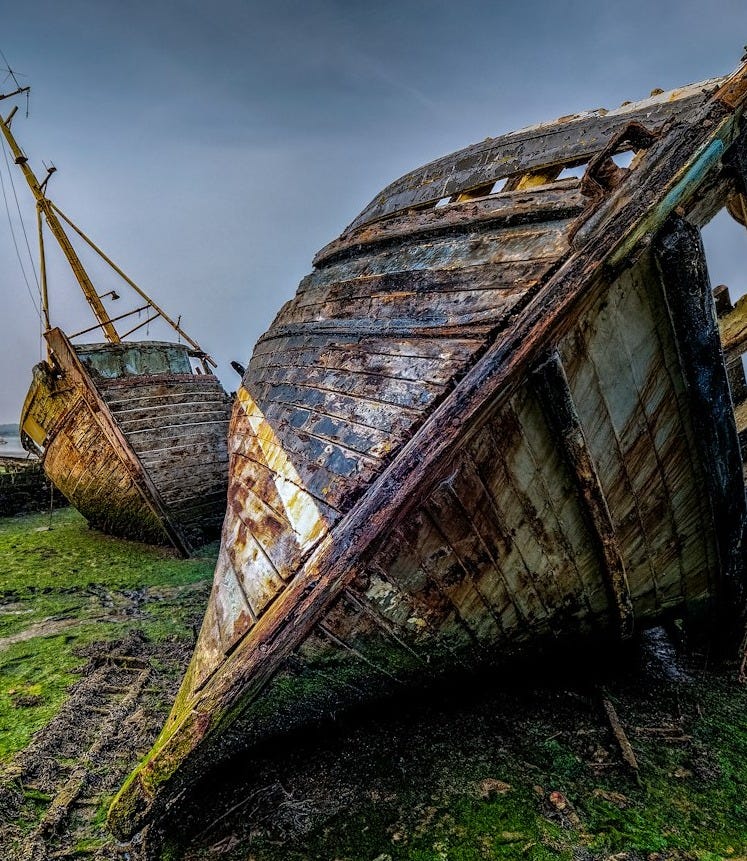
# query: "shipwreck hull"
(487, 419)
(132, 438)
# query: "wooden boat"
(133, 433)
(496, 413)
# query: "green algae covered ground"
(95, 633)
(67, 586)
(488, 768)
(529, 770)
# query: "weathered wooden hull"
(476, 427)
(139, 451)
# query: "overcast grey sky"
(212, 148)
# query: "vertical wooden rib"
(557, 404)
(681, 261)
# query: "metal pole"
(43, 270)
(174, 325)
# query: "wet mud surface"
(524, 766)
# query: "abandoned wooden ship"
(496, 412)
(133, 433)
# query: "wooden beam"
(531, 205)
(733, 328)
(681, 261)
(556, 399)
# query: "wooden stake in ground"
(621, 738)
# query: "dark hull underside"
(478, 426)
(141, 455)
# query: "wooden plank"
(663, 467)
(357, 359)
(477, 248)
(373, 343)
(560, 200)
(607, 450)
(376, 389)
(684, 273)
(392, 418)
(555, 396)
(411, 288)
(562, 516)
(457, 307)
(733, 330)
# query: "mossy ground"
(65, 586)
(487, 769)
(490, 769)
(69, 597)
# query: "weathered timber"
(407, 486)
(560, 411)
(681, 261)
(570, 139)
(558, 200)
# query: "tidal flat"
(95, 633)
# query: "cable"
(23, 226)
(10, 71)
(37, 308)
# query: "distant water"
(10, 442)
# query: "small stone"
(616, 798)
(489, 787)
(682, 773)
(558, 800)
(564, 808)
(511, 837)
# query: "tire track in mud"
(64, 778)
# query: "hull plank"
(572, 139)
(182, 446)
(681, 261)
(558, 406)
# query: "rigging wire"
(20, 218)
(37, 307)
(9, 70)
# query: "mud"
(54, 793)
(494, 768)
(522, 767)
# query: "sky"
(212, 148)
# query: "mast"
(54, 216)
(45, 206)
